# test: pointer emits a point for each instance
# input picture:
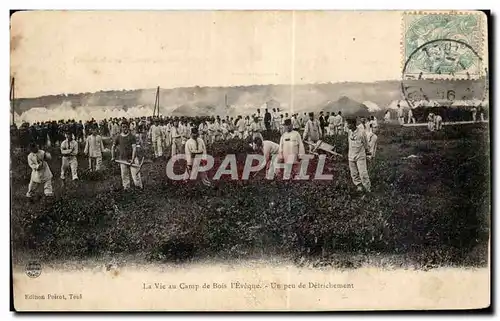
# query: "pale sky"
(72, 52)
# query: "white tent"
(372, 107)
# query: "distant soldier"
(115, 129)
(282, 124)
(141, 132)
(474, 113)
(94, 148)
(79, 131)
(480, 111)
(203, 130)
(40, 171)
(41, 135)
(267, 120)
(295, 122)
(240, 127)
(371, 137)
(72, 128)
(431, 124)
(411, 118)
(53, 128)
(165, 130)
(438, 120)
(387, 116)
(373, 124)
(156, 139)
(358, 151)
(339, 124)
(331, 124)
(312, 131)
(276, 120)
(176, 139)
(224, 127)
(401, 119)
(322, 121)
(256, 129)
(69, 151)
(104, 128)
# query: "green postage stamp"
(444, 44)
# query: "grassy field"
(428, 211)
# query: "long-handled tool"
(321, 145)
(131, 164)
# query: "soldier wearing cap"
(291, 147)
(195, 146)
(312, 131)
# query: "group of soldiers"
(434, 116)
(169, 136)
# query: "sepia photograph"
(250, 160)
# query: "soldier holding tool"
(126, 143)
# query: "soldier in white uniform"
(339, 124)
(268, 148)
(224, 127)
(438, 120)
(195, 146)
(40, 171)
(93, 149)
(69, 151)
(431, 124)
(165, 131)
(203, 130)
(411, 119)
(358, 151)
(176, 139)
(387, 116)
(312, 131)
(240, 127)
(256, 129)
(401, 118)
(276, 120)
(291, 147)
(330, 129)
(156, 139)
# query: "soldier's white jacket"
(69, 148)
(40, 171)
(291, 146)
(312, 130)
(94, 146)
(358, 144)
(193, 148)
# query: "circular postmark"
(444, 73)
(33, 269)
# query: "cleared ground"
(426, 211)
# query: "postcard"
(250, 160)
